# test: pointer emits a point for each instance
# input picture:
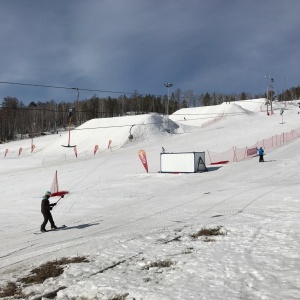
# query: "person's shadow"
(81, 226)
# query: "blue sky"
(138, 45)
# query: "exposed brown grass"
(207, 240)
(119, 297)
(208, 232)
(50, 269)
(38, 275)
(11, 290)
(160, 264)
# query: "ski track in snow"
(34, 250)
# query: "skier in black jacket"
(46, 211)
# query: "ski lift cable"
(88, 174)
(70, 88)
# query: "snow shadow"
(209, 169)
(81, 226)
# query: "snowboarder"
(46, 211)
(261, 154)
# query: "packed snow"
(124, 220)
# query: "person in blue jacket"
(261, 154)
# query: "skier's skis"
(60, 227)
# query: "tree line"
(19, 121)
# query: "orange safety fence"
(236, 154)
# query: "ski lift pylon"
(69, 137)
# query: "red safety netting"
(236, 154)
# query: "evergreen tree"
(243, 96)
(206, 101)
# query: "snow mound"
(188, 118)
(101, 131)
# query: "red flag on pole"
(96, 148)
(20, 151)
(75, 150)
(143, 158)
(55, 189)
(109, 143)
(32, 148)
(6, 151)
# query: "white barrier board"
(185, 162)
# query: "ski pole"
(62, 196)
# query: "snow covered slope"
(124, 219)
